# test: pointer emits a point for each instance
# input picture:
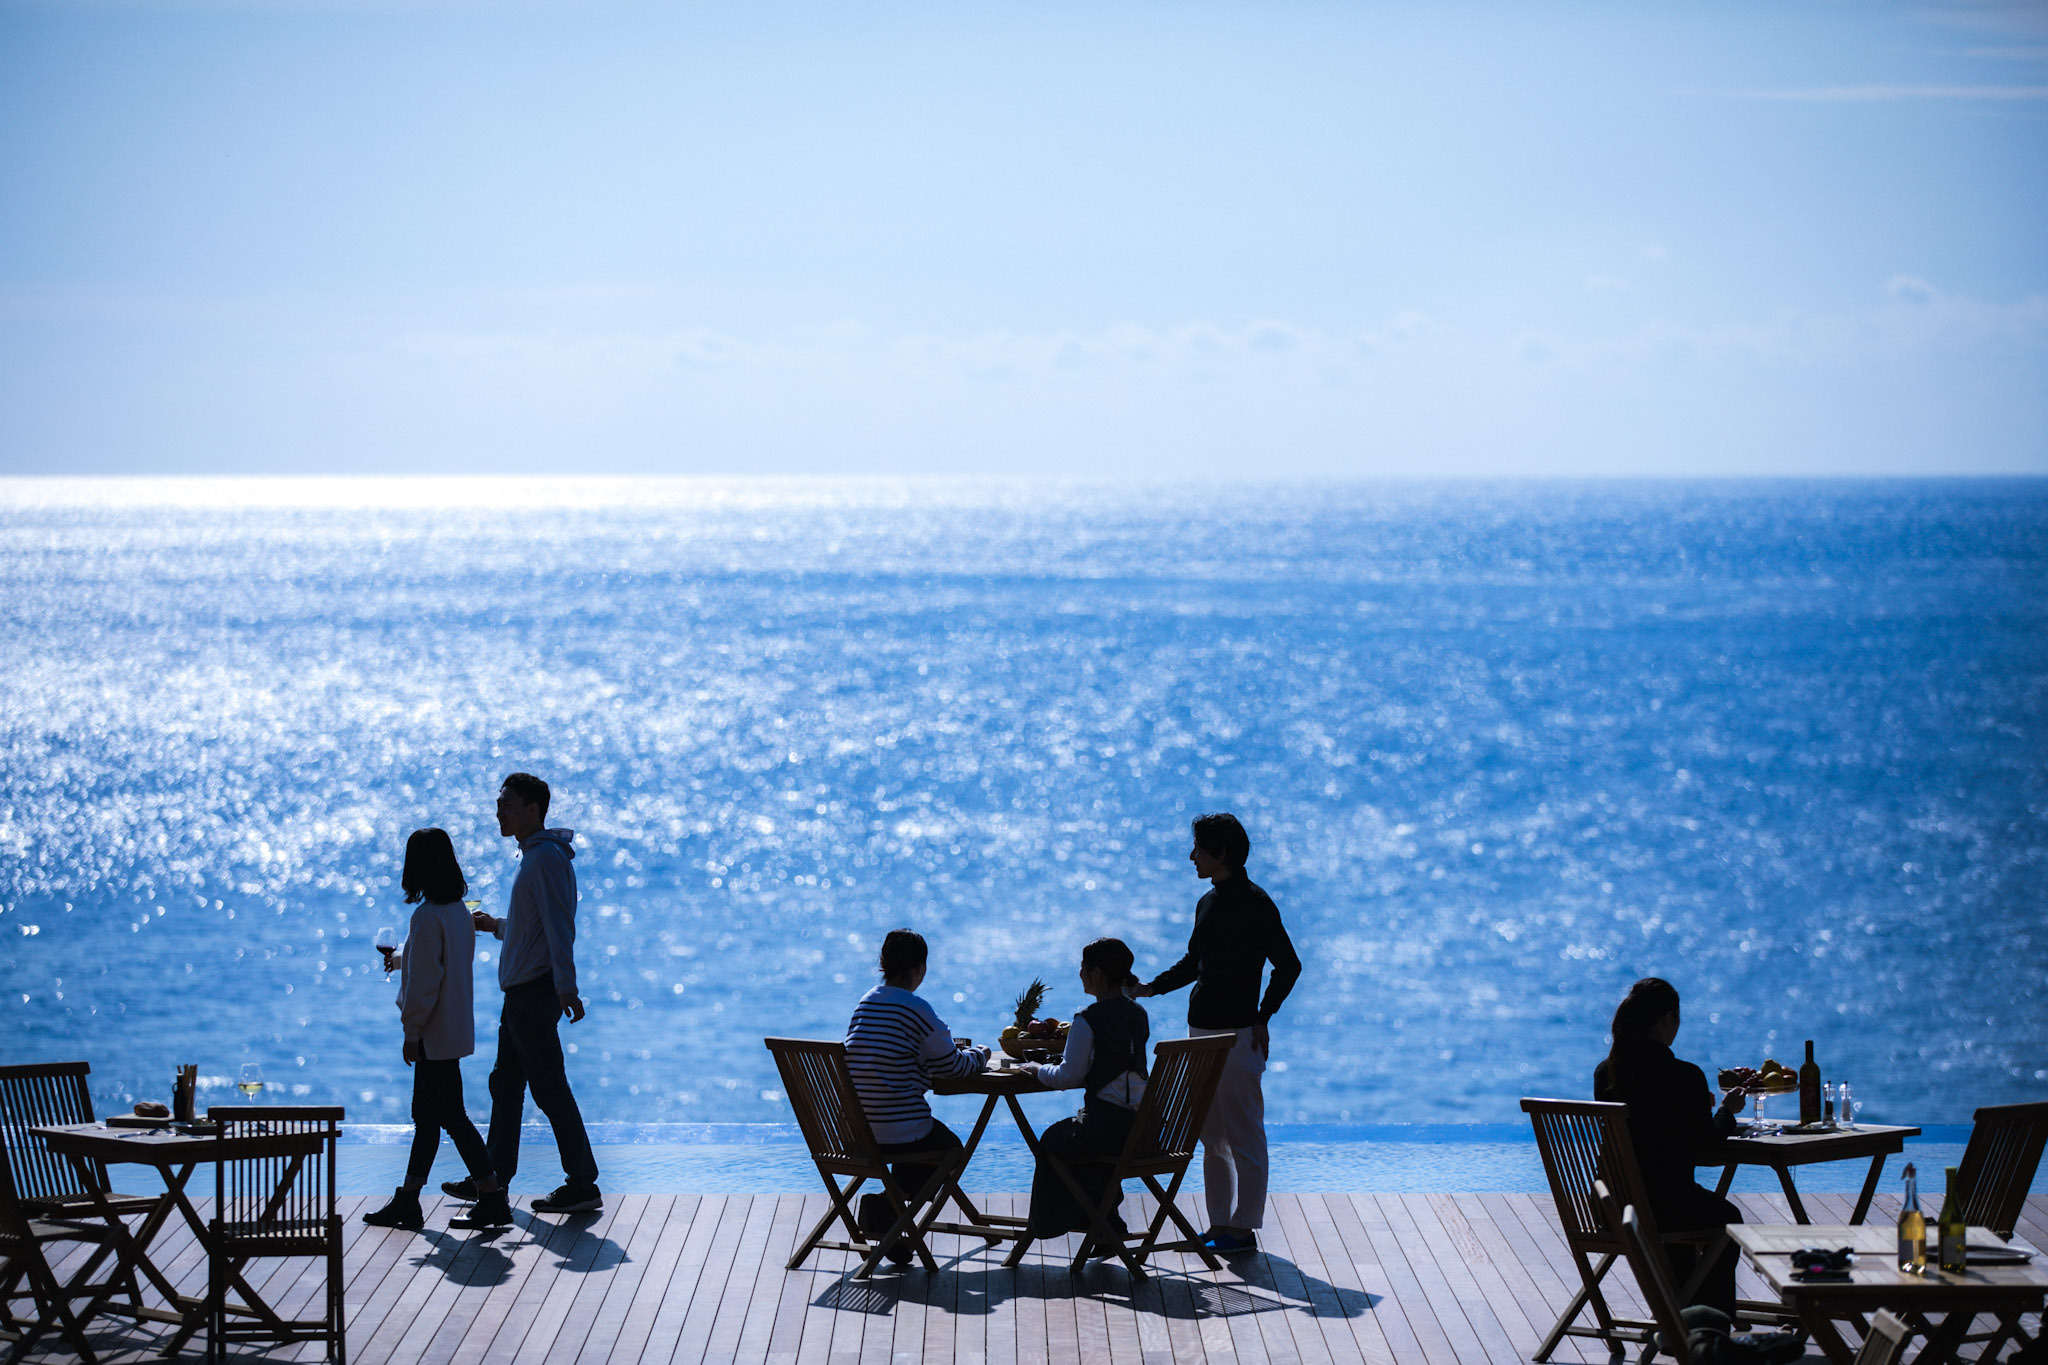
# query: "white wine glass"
(250, 1082)
(387, 944)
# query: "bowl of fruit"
(1768, 1079)
(1031, 1039)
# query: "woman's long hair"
(1646, 1002)
(431, 872)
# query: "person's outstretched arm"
(1173, 978)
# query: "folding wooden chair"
(1583, 1141)
(1998, 1165)
(47, 1185)
(1885, 1341)
(23, 1238)
(1185, 1073)
(819, 1084)
(274, 1196)
(1673, 1331)
(1996, 1171)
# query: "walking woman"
(436, 1006)
(1105, 1060)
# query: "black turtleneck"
(1237, 932)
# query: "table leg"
(1727, 1179)
(1869, 1188)
(130, 1246)
(1792, 1195)
(959, 1196)
(1943, 1340)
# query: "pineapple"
(1013, 1040)
(1029, 1001)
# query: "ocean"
(1501, 749)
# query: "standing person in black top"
(1237, 932)
(1674, 1126)
(1105, 1059)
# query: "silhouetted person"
(1105, 1059)
(1237, 932)
(1674, 1126)
(436, 1008)
(537, 972)
(896, 1046)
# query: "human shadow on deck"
(465, 1260)
(1265, 1284)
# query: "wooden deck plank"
(1349, 1328)
(638, 1322)
(601, 1338)
(1468, 1279)
(715, 1280)
(608, 1260)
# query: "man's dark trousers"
(530, 1058)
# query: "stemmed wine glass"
(387, 943)
(251, 1081)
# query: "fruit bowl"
(1028, 1047)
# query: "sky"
(1187, 240)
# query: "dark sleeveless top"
(1121, 1031)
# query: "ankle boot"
(402, 1212)
(491, 1210)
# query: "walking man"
(537, 972)
(1237, 932)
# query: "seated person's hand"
(1733, 1101)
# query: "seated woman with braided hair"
(1105, 1060)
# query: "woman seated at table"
(896, 1045)
(1105, 1060)
(1673, 1126)
(436, 1012)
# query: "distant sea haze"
(1501, 749)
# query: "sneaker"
(570, 1199)
(492, 1210)
(402, 1212)
(463, 1189)
(1228, 1243)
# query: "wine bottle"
(1912, 1228)
(1952, 1231)
(1809, 1088)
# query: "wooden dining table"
(175, 1155)
(1782, 1151)
(1938, 1307)
(995, 1086)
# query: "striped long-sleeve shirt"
(895, 1047)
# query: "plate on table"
(135, 1121)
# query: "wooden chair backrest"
(1885, 1341)
(279, 1185)
(38, 1094)
(1648, 1264)
(1185, 1074)
(1998, 1166)
(14, 1219)
(1583, 1142)
(819, 1085)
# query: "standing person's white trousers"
(1234, 1137)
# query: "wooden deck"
(1438, 1279)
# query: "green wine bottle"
(1953, 1233)
(1809, 1088)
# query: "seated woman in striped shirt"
(1105, 1060)
(896, 1046)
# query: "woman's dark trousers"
(437, 1109)
(1681, 1209)
(1098, 1130)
